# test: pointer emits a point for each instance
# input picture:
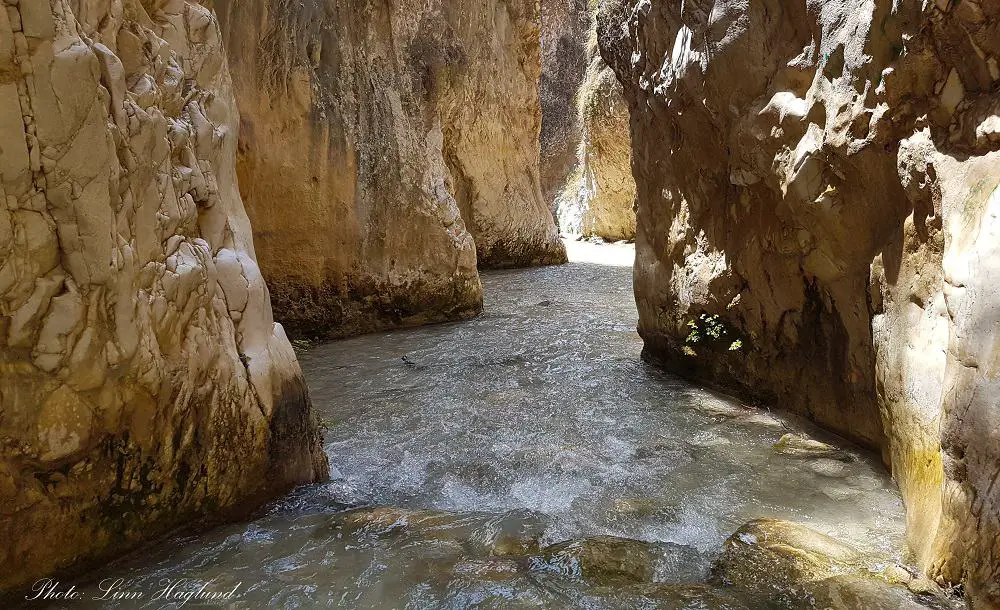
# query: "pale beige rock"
(782, 564)
(383, 145)
(598, 198)
(143, 381)
(821, 175)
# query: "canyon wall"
(598, 198)
(144, 383)
(565, 29)
(818, 202)
(385, 148)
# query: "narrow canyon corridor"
(500, 304)
(483, 442)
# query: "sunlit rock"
(823, 177)
(143, 381)
(801, 446)
(777, 562)
(385, 149)
(598, 196)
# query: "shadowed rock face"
(823, 176)
(383, 145)
(144, 383)
(598, 198)
(565, 28)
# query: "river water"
(486, 440)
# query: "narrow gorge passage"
(534, 424)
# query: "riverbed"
(459, 452)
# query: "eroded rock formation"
(820, 180)
(144, 382)
(383, 145)
(565, 28)
(598, 197)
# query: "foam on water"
(538, 417)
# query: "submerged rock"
(666, 597)
(514, 534)
(600, 560)
(494, 568)
(835, 469)
(778, 562)
(387, 519)
(613, 561)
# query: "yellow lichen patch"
(64, 424)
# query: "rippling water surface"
(489, 439)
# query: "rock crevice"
(598, 198)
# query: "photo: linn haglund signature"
(178, 591)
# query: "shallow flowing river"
(534, 424)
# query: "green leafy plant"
(712, 331)
(301, 345)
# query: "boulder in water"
(799, 445)
(601, 560)
(783, 563)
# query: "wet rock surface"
(821, 176)
(143, 381)
(788, 565)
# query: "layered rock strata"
(144, 383)
(386, 149)
(818, 195)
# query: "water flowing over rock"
(144, 382)
(788, 565)
(823, 177)
(598, 198)
(383, 145)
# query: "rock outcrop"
(598, 198)
(144, 382)
(778, 564)
(820, 179)
(565, 31)
(383, 145)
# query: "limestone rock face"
(382, 145)
(823, 177)
(565, 31)
(599, 196)
(144, 382)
